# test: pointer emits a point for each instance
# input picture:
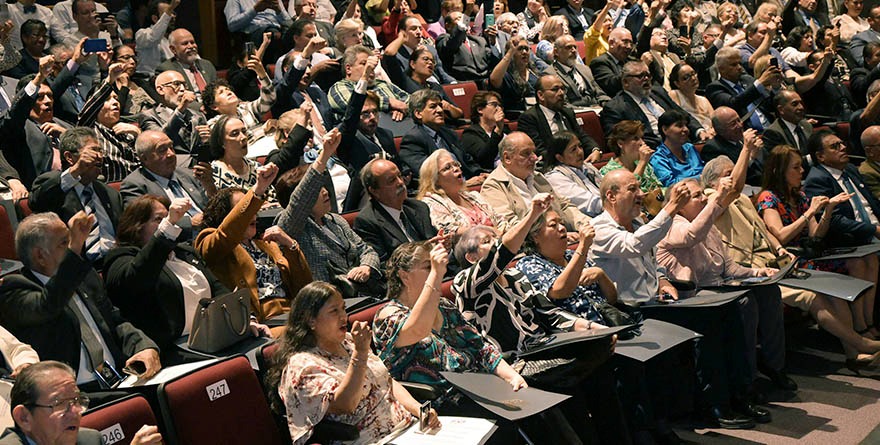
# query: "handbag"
(621, 316)
(220, 322)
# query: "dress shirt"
(63, 26)
(629, 258)
(84, 374)
(152, 45)
(192, 281)
(165, 184)
(525, 188)
(18, 16)
(550, 115)
(107, 242)
(242, 17)
(652, 117)
(574, 74)
(793, 128)
(838, 176)
(396, 216)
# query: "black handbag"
(373, 287)
(621, 315)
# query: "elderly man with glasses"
(47, 409)
(186, 126)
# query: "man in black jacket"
(729, 140)
(579, 18)
(607, 67)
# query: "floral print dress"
(308, 385)
(457, 346)
(789, 214)
(583, 301)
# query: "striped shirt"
(119, 156)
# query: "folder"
(496, 395)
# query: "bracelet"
(430, 286)
(576, 253)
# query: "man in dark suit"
(790, 127)
(550, 116)
(729, 141)
(59, 306)
(579, 18)
(854, 222)
(390, 218)
(297, 86)
(186, 127)
(607, 67)
(77, 188)
(639, 101)
(159, 175)
(581, 89)
(870, 35)
(862, 77)
(196, 71)
(741, 92)
(431, 133)
(465, 56)
(33, 41)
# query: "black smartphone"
(683, 31)
(136, 369)
(95, 46)
(204, 153)
(102, 16)
(250, 48)
(774, 62)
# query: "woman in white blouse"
(685, 82)
(798, 45)
(851, 23)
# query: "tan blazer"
(510, 207)
(222, 250)
(870, 171)
(740, 226)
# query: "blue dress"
(670, 170)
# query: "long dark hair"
(297, 336)
(774, 172)
(217, 141)
(556, 146)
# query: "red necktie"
(200, 81)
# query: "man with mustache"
(197, 72)
(186, 127)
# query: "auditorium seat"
(220, 404)
(462, 94)
(582, 48)
(446, 290)
(25, 208)
(349, 218)
(365, 315)
(589, 121)
(116, 185)
(7, 235)
(119, 420)
(397, 141)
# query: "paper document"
(166, 374)
(496, 395)
(455, 430)
(704, 298)
(856, 252)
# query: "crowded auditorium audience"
(481, 175)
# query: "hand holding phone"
(95, 46)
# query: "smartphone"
(4, 12)
(424, 417)
(683, 31)
(250, 48)
(204, 153)
(136, 369)
(95, 46)
(774, 62)
(490, 20)
(102, 16)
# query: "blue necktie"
(178, 192)
(754, 119)
(857, 199)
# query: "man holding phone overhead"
(102, 36)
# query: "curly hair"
(208, 96)
(297, 336)
(219, 206)
(404, 257)
(624, 131)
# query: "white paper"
(166, 374)
(455, 430)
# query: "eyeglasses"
(368, 113)
(127, 57)
(839, 146)
(523, 49)
(174, 84)
(641, 76)
(61, 406)
(451, 166)
(493, 104)
(688, 76)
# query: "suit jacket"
(481, 146)
(845, 230)
(141, 182)
(721, 94)
(778, 134)
(606, 71)
(461, 63)
(575, 27)
(148, 293)
(508, 204)
(180, 127)
(27, 65)
(859, 80)
(232, 264)
(870, 171)
(534, 123)
(47, 196)
(85, 436)
(417, 145)
(859, 41)
(594, 96)
(203, 65)
(719, 146)
(623, 107)
(40, 315)
(379, 230)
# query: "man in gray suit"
(872, 34)
(47, 409)
(581, 89)
(196, 71)
(186, 127)
(159, 175)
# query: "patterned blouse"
(456, 347)
(583, 301)
(225, 178)
(647, 181)
(769, 200)
(449, 217)
(308, 385)
(269, 282)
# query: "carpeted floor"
(833, 406)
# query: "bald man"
(174, 116)
(197, 72)
(870, 169)
(729, 140)
(607, 67)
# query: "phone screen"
(4, 12)
(424, 414)
(95, 46)
(490, 19)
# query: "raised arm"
(421, 320)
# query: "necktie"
(4, 98)
(856, 199)
(408, 229)
(560, 124)
(178, 192)
(200, 81)
(78, 100)
(30, 9)
(651, 108)
(754, 118)
(100, 231)
(801, 139)
(90, 342)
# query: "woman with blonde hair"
(454, 208)
(553, 28)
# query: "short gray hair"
(506, 17)
(351, 54)
(726, 53)
(368, 179)
(713, 169)
(419, 99)
(469, 242)
(26, 389)
(32, 232)
(143, 145)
